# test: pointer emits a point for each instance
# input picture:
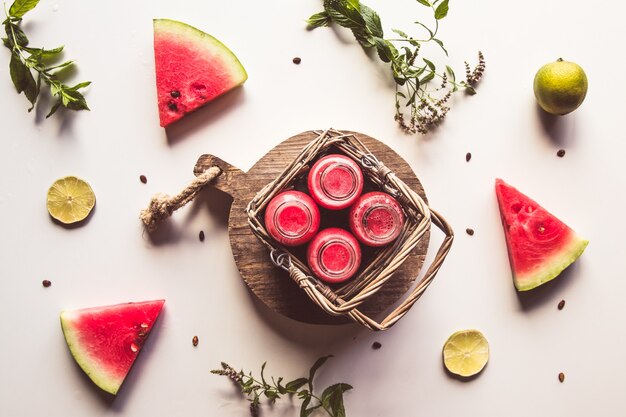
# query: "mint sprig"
(420, 87)
(330, 401)
(25, 60)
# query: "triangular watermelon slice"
(105, 341)
(540, 245)
(192, 68)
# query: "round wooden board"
(271, 284)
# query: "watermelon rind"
(94, 369)
(552, 268)
(540, 246)
(202, 44)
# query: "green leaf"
(332, 398)
(59, 67)
(424, 2)
(372, 21)
(318, 20)
(54, 108)
(19, 72)
(347, 16)
(279, 386)
(442, 10)
(51, 53)
(355, 4)
(79, 86)
(430, 64)
(318, 363)
(441, 45)
(386, 51)
(427, 78)
(296, 384)
(15, 32)
(262, 376)
(20, 7)
(450, 72)
(400, 33)
(304, 412)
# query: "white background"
(110, 259)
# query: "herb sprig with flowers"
(330, 401)
(25, 59)
(427, 106)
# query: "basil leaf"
(54, 108)
(318, 363)
(350, 18)
(441, 45)
(372, 21)
(386, 51)
(442, 10)
(318, 20)
(430, 64)
(296, 384)
(400, 33)
(20, 7)
(332, 398)
(424, 2)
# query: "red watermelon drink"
(292, 218)
(334, 255)
(335, 182)
(376, 219)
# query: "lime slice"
(466, 352)
(70, 200)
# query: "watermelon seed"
(172, 106)
(376, 345)
(143, 179)
(561, 304)
(195, 340)
(134, 347)
(561, 153)
(175, 93)
(542, 229)
(561, 377)
(468, 156)
(297, 60)
(46, 283)
(201, 235)
(469, 231)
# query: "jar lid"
(376, 219)
(335, 181)
(292, 218)
(334, 255)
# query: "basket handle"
(320, 293)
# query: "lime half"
(466, 353)
(70, 200)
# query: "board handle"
(231, 180)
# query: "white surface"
(111, 260)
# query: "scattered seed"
(561, 376)
(172, 106)
(143, 179)
(561, 304)
(46, 283)
(195, 340)
(297, 60)
(376, 345)
(468, 156)
(201, 235)
(469, 231)
(175, 93)
(561, 153)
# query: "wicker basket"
(345, 300)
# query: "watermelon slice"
(105, 341)
(540, 245)
(192, 68)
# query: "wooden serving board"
(273, 285)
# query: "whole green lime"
(560, 87)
